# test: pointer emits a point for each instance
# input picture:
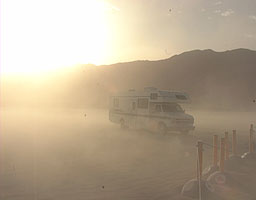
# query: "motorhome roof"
(157, 95)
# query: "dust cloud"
(56, 141)
(63, 154)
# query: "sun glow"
(41, 35)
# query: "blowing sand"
(63, 154)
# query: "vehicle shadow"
(188, 139)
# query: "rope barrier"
(210, 145)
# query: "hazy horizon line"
(177, 54)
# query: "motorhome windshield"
(172, 108)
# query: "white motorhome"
(151, 109)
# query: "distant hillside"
(222, 80)
(216, 79)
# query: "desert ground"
(59, 154)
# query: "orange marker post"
(227, 146)
(222, 153)
(251, 139)
(234, 143)
(215, 150)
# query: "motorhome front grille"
(183, 121)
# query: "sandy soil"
(61, 154)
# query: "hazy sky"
(39, 35)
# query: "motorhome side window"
(143, 103)
(181, 97)
(116, 102)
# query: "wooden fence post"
(200, 167)
(251, 147)
(227, 146)
(222, 153)
(234, 143)
(215, 150)
(200, 158)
